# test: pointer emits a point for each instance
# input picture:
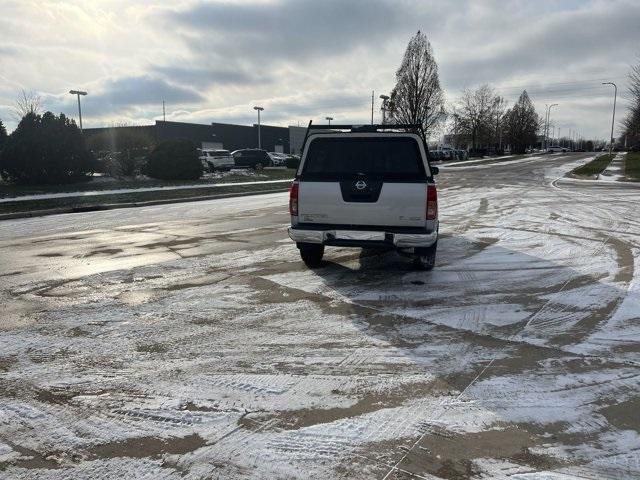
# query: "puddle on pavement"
(369, 402)
(144, 447)
(450, 455)
(624, 415)
(152, 348)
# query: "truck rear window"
(333, 159)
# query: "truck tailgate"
(398, 204)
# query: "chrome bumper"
(399, 240)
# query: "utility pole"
(259, 109)
(549, 121)
(497, 127)
(328, 119)
(164, 117)
(613, 118)
(559, 136)
(372, 93)
(570, 140)
(546, 124)
(78, 93)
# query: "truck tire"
(311, 254)
(425, 257)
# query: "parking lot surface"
(188, 341)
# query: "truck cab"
(368, 186)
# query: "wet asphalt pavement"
(189, 341)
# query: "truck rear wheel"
(425, 258)
(311, 254)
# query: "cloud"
(144, 90)
(301, 59)
(127, 94)
(288, 30)
(214, 75)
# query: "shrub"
(45, 149)
(174, 160)
(123, 149)
(292, 162)
(3, 135)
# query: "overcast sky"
(306, 59)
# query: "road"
(188, 340)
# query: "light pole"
(78, 93)
(328, 119)
(613, 119)
(385, 99)
(259, 109)
(546, 142)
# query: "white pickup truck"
(367, 186)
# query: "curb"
(113, 206)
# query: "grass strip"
(594, 167)
(128, 198)
(107, 183)
(632, 166)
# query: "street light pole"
(259, 109)
(385, 99)
(372, 94)
(613, 119)
(78, 93)
(544, 133)
(549, 122)
(328, 119)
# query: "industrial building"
(222, 135)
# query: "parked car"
(556, 149)
(448, 153)
(216, 160)
(462, 154)
(365, 188)
(278, 159)
(251, 158)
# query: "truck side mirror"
(435, 170)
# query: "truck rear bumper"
(363, 238)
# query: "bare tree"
(28, 102)
(631, 122)
(477, 112)
(417, 96)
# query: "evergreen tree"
(417, 96)
(45, 149)
(521, 124)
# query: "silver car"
(217, 159)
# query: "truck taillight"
(293, 199)
(432, 202)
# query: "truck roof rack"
(416, 127)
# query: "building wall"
(296, 139)
(195, 132)
(232, 137)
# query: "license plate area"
(359, 235)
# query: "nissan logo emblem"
(360, 185)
